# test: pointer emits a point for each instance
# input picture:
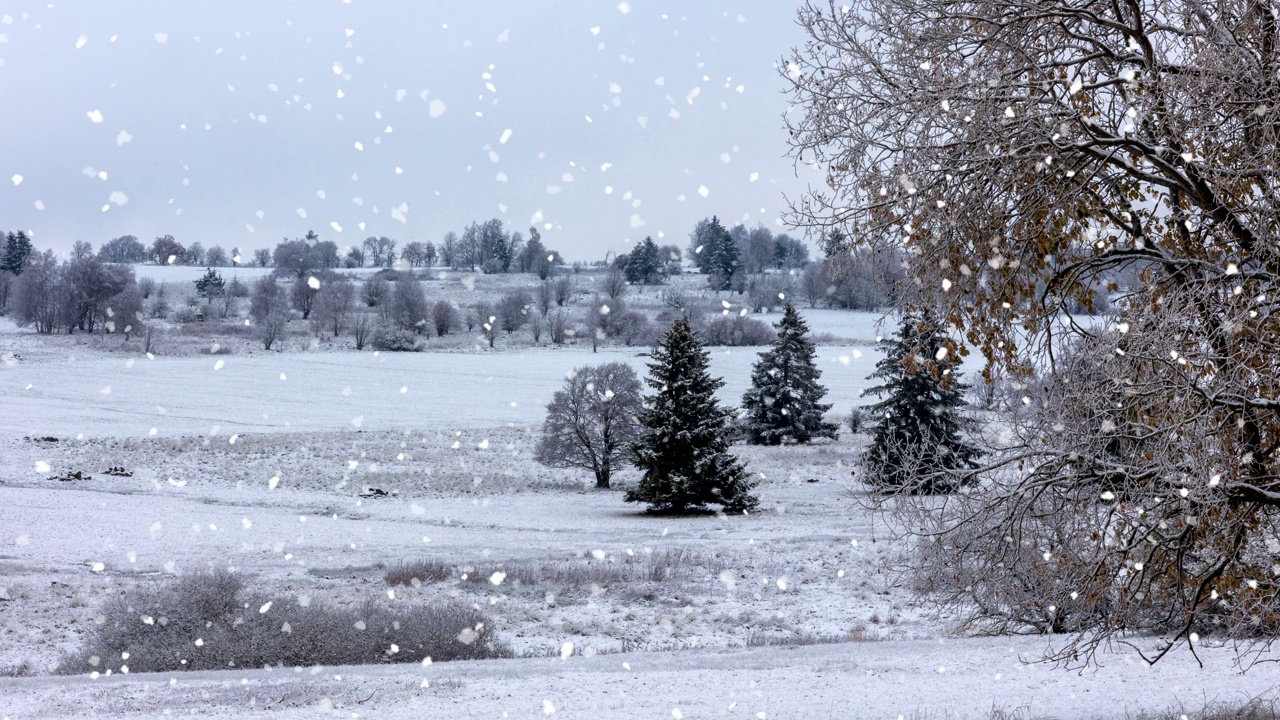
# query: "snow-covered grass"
(127, 396)
(797, 610)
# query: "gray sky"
(225, 122)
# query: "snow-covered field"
(451, 434)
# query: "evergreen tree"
(17, 249)
(682, 449)
(644, 264)
(916, 442)
(723, 255)
(211, 285)
(782, 404)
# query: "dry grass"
(418, 572)
(207, 621)
(1256, 709)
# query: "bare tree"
(444, 316)
(591, 423)
(1017, 154)
(272, 327)
(614, 284)
(564, 290)
(546, 296)
(558, 327)
(537, 323)
(362, 327)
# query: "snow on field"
(920, 679)
(97, 395)
(191, 273)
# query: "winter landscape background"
(319, 476)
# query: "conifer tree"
(17, 250)
(916, 442)
(783, 402)
(682, 448)
(644, 264)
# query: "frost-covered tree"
(124, 249)
(917, 444)
(1019, 154)
(591, 422)
(784, 402)
(211, 286)
(683, 449)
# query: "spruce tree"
(17, 250)
(644, 264)
(916, 443)
(683, 449)
(723, 256)
(783, 402)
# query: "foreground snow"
(921, 679)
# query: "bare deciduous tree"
(1017, 154)
(591, 423)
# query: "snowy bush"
(394, 339)
(208, 621)
(735, 331)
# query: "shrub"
(735, 331)
(444, 316)
(513, 310)
(207, 621)
(857, 420)
(388, 338)
(417, 572)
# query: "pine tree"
(211, 285)
(723, 258)
(682, 449)
(916, 442)
(644, 264)
(17, 249)
(783, 402)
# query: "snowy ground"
(281, 504)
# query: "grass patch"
(207, 621)
(417, 572)
(1256, 709)
(658, 566)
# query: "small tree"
(444, 316)
(211, 286)
(783, 402)
(591, 423)
(262, 257)
(272, 327)
(266, 297)
(916, 444)
(683, 449)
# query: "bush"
(857, 420)
(735, 331)
(417, 572)
(394, 339)
(207, 621)
(513, 310)
(444, 316)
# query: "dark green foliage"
(783, 402)
(916, 441)
(645, 265)
(683, 450)
(17, 249)
(211, 285)
(722, 256)
(159, 627)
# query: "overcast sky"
(241, 122)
